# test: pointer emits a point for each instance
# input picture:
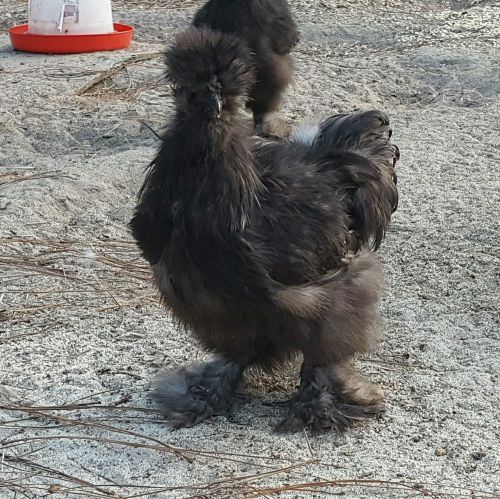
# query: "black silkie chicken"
(269, 30)
(265, 249)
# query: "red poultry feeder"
(70, 27)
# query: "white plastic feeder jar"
(70, 17)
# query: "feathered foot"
(316, 405)
(271, 126)
(198, 391)
(353, 388)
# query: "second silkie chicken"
(268, 28)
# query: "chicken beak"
(216, 104)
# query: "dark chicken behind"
(269, 30)
(265, 249)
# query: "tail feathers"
(347, 130)
(366, 133)
(371, 207)
(357, 150)
(365, 160)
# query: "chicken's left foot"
(271, 126)
(316, 405)
(198, 391)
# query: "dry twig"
(113, 70)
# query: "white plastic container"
(70, 17)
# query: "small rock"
(53, 489)
(478, 455)
(440, 451)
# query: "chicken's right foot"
(196, 392)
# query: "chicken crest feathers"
(200, 54)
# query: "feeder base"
(21, 40)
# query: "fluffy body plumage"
(269, 30)
(265, 249)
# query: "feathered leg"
(352, 387)
(271, 126)
(332, 395)
(196, 392)
(274, 73)
(317, 405)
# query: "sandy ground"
(81, 333)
